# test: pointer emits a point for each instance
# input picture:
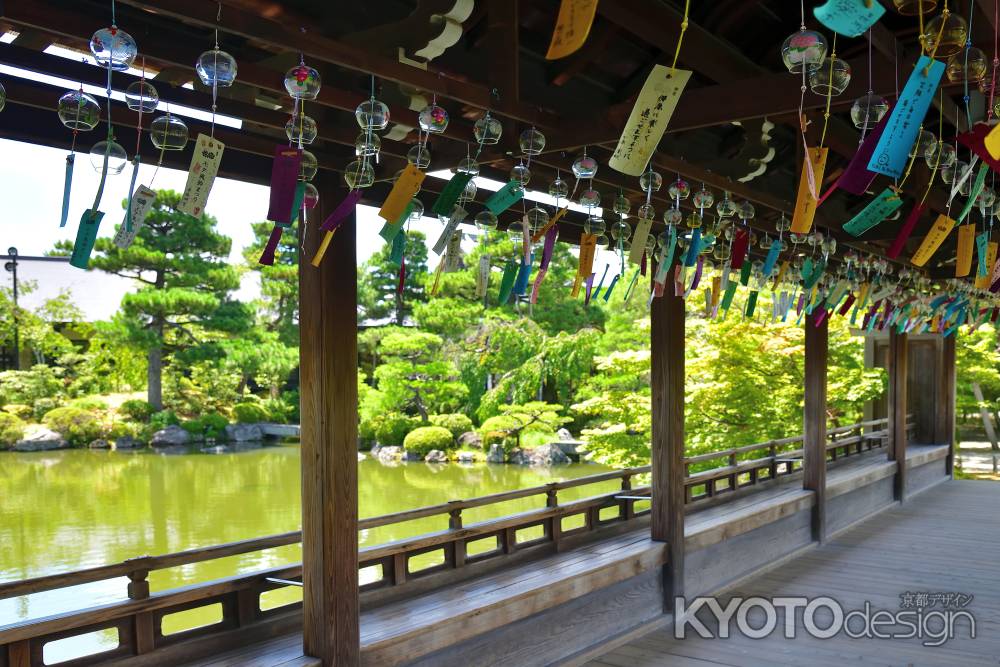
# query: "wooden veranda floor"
(945, 540)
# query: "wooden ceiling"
(497, 63)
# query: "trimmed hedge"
(392, 428)
(11, 429)
(422, 440)
(212, 425)
(457, 423)
(79, 427)
(495, 431)
(136, 410)
(249, 413)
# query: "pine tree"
(378, 279)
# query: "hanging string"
(142, 91)
(684, 27)
(937, 40)
(965, 71)
(829, 93)
(937, 159)
(996, 59)
(871, 91)
(215, 74)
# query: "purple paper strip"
(267, 257)
(344, 209)
(550, 241)
(284, 178)
(856, 178)
(590, 286)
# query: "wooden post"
(814, 418)
(667, 452)
(329, 407)
(897, 368)
(946, 404)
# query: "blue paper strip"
(523, 275)
(693, 248)
(67, 186)
(86, 234)
(772, 257)
(900, 133)
(849, 18)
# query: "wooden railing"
(751, 465)
(429, 558)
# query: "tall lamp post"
(12, 267)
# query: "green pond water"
(66, 510)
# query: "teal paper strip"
(772, 257)
(131, 191)
(390, 230)
(86, 234)
(523, 275)
(505, 197)
(977, 187)
(817, 272)
(611, 287)
(446, 200)
(880, 208)
(850, 18)
(900, 133)
(751, 304)
(300, 195)
(727, 298)
(745, 274)
(600, 284)
(982, 245)
(397, 250)
(67, 186)
(507, 281)
(693, 248)
(631, 285)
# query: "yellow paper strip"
(324, 244)
(781, 273)
(992, 142)
(935, 237)
(966, 240)
(716, 289)
(588, 246)
(437, 277)
(649, 118)
(406, 187)
(991, 257)
(805, 201)
(537, 236)
(576, 286)
(642, 228)
(572, 27)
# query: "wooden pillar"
(944, 433)
(329, 407)
(897, 370)
(667, 452)
(814, 423)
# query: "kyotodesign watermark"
(933, 618)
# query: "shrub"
(291, 399)
(392, 427)
(422, 440)
(11, 429)
(249, 413)
(88, 403)
(277, 410)
(19, 410)
(121, 429)
(26, 387)
(457, 423)
(162, 419)
(136, 410)
(497, 431)
(41, 406)
(211, 425)
(78, 426)
(366, 432)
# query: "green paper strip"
(390, 230)
(751, 304)
(745, 274)
(300, 195)
(505, 197)
(398, 247)
(727, 298)
(86, 234)
(446, 200)
(982, 245)
(977, 187)
(817, 273)
(507, 281)
(880, 208)
(631, 285)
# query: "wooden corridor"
(945, 539)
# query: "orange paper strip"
(537, 236)
(991, 257)
(572, 27)
(935, 237)
(805, 201)
(966, 241)
(406, 187)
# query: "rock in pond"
(171, 436)
(100, 443)
(436, 456)
(128, 442)
(546, 455)
(470, 440)
(388, 454)
(40, 439)
(496, 455)
(244, 432)
(466, 457)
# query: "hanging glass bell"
(537, 218)
(831, 77)
(949, 172)
(803, 48)
(953, 32)
(303, 82)
(726, 206)
(703, 198)
(594, 225)
(914, 7)
(650, 180)
(311, 197)
(433, 119)
(521, 174)
(746, 211)
(419, 156)
(367, 144)
(359, 174)
(113, 46)
(216, 68)
(486, 219)
(947, 155)
(79, 111)
(532, 142)
(673, 216)
(142, 97)
(516, 232)
(923, 142)
(967, 65)
(169, 133)
(117, 157)
(416, 209)
(301, 128)
(308, 166)
(585, 167)
(621, 231)
(559, 188)
(868, 111)
(467, 166)
(622, 205)
(679, 189)
(468, 193)
(590, 198)
(487, 130)
(645, 212)
(372, 115)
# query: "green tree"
(278, 307)
(415, 377)
(39, 329)
(181, 263)
(378, 279)
(533, 415)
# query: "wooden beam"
(814, 418)
(897, 369)
(504, 61)
(329, 406)
(946, 405)
(667, 450)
